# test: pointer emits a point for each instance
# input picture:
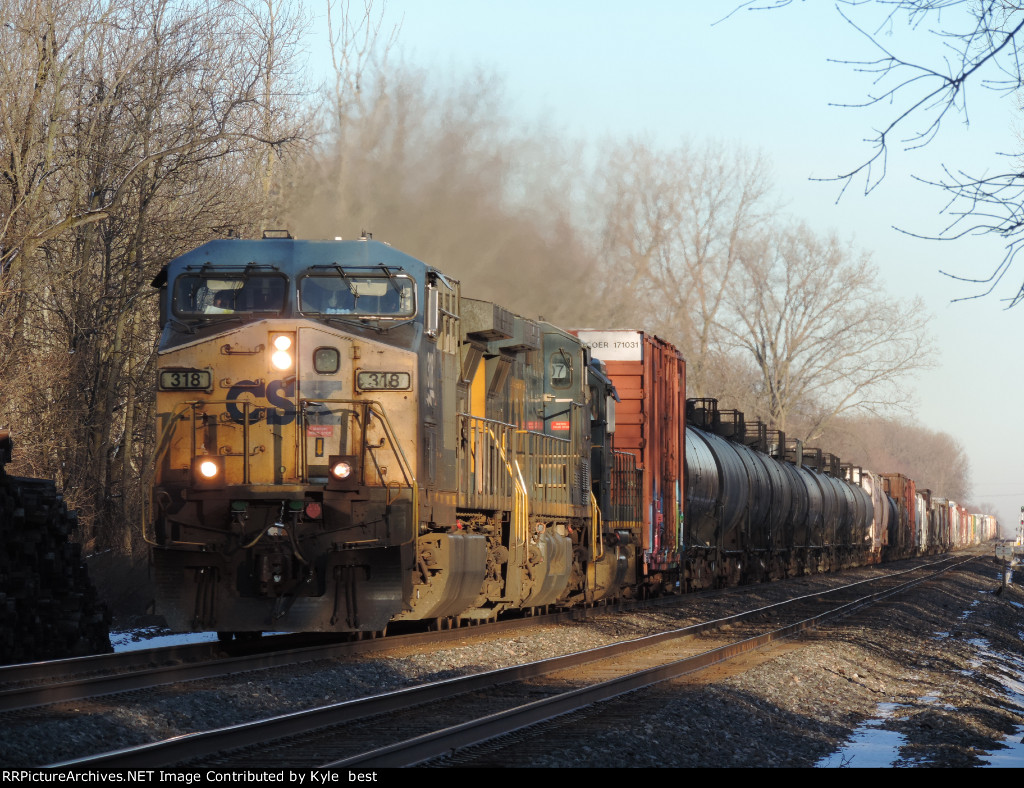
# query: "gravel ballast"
(935, 666)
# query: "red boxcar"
(650, 422)
(902, 533)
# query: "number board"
(614, 345)
(185, 379)
(384, 381)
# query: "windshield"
(361, 296)
(196, 294)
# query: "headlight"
(208, 472)
(281, 346)
(343, 472)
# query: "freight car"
(346, 441)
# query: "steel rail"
(204, 743)
(439, 744)
(142, 675)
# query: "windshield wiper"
(211, 320)
(391, 278)
(350, 320)
(175, 322)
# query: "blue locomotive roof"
(189, 306)
(291, 257)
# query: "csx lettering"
(276, 392)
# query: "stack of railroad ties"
(49, 609)
(345, 441)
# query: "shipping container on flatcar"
(650, 377)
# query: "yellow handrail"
(521, 501)
(595, 528)
(371, 406)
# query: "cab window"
(560, 370)
(360, 296)
(196, 295)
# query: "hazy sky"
(763, 79)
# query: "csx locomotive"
(345, 441)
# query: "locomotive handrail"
(546, 460)
(539, 447)
(377, 409)
(595, 528)
(162, 447)
(482, 485)
(178, 414)
(388, 500)
(521, 502)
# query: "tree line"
(133, 131)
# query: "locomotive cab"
(285, 493)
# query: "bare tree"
(935, 460)
(359, 45)
(816, 322)
(141, 131)
(280, 27)
(446, 172)
(673, 227)
(968, 45)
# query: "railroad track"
(445, 719)
(31, 685)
